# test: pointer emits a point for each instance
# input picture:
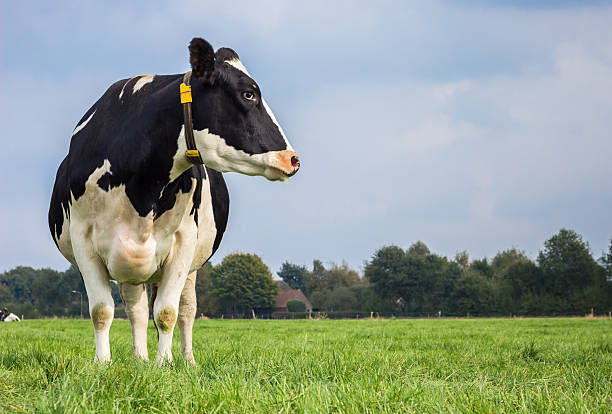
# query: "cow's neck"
(157, 179)
(180, 163)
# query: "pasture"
(447, 365)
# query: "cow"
(6, 316)
(140, 197)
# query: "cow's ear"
(201, 57)
(225, 53)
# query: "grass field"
(468, 365)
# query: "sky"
(469, 125)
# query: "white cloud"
(446, 91)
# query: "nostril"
(295, 161)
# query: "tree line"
(565, 279)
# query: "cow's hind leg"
(101, 305)
(137, 309)
(165, 311)
(187, 312)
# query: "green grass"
(469, 365)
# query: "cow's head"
(234, 128)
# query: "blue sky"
(469, 125)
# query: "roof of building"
(282, 285)
(285, 295)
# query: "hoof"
(189, 360)
(143, 357)
(102, 359)
(163, 359)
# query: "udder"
(132, 260)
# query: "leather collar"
(192, 154)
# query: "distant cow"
(11, 317)
(6, 316)
(132, 201)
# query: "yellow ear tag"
(192, 153)
(185, 93)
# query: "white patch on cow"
(137, 309)
(124, 85)
(83, 124)
(217, 155)
(206, 223)
(269, 111)
(64, 243)
(144, 79)
(12, 318)
(110, 240)
(180, 164)
(238, 65)
(132, 247)
(187, 310)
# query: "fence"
(368, 315)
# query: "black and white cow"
(6, 316)
(128, 205)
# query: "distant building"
(285, 294)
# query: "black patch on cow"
(60, 202)
(201, 57)
(137, 135)
(244, 125)
(225, 53)
(220, 203)
(200, 175)
(104, 181)
(167, 198)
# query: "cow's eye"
(249, 96)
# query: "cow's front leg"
(187, 312)
(165, 311)
(137, 309)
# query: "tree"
(341, 298)
(370, 301)
(207, 301)
(421, 281)
(242, 282)
(5, 294)
(566, 263)
(319, 299)
(316, 279)
(482, 266)
(443, 275)
(296, 306)
(418, 249)
(341, 276)
(506, 258)
(520, 280)
(523, 277)
(385, 272)
(294, 275)
(606, 262)
(462, 259)
(41, 292)
(470, 294)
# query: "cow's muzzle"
(289, 162)
(282, 165)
